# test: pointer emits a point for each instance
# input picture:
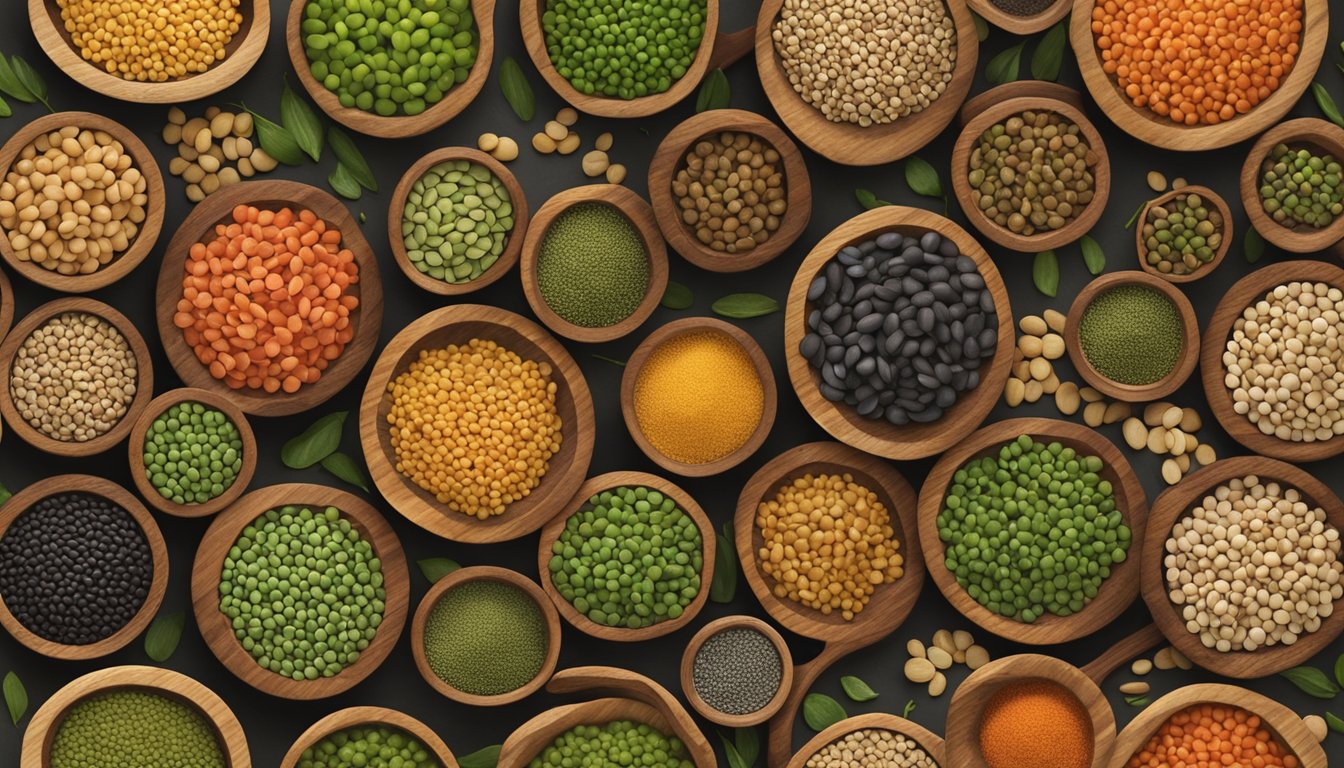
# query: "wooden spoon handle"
(780, 745)
(1123, 651)
(731, 46)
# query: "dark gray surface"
(272, 724)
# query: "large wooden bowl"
(877, 436)
(216, 628)
(931, 743)
(1021, 25)
(199, 227)
(1214, 202)
(374, 717)
(692, 693)
(459, 324)
(1309, 132)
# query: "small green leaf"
(11, 85)
(714, 92)
(868, 200)
(724, 585)
(981, 26)
(1327, 104)
(1136, 701)
(730, 751)
(922, 177)
(485, 758)
(1093, 256)
(346, 468)
(348, 154)
(1339, 663)
(611, 360)
(5, 110)
(1049, 54)
(748, 744)
(1138, 212)
(316, 443)
(856, 689)
(344, 183)
(909, 707)
(31, 80)
(517, 91)
(435, 568)
(741, 306)
(821, 711)
(1335, 722)
(16, 697)
(276, 141)
(1045, 273)
(1253, 245)
(1311, 681)
(1003, 67)
(163, 635)
(4, 493)
(301, 121)
(676, 296)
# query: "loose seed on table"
(1134, 688)
(1141, 666)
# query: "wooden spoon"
(1306, 132)
(931, 743)
(353, 717)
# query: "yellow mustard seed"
(152, 40)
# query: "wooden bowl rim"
(1309, 131)
(692, 693)
(1216, 202)
(1021, 25)
(545, 727)
(6, 305)
(353, 717)
(930, 742)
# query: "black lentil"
(737, 671)
(1023, 7)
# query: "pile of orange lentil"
(1036, 723)
(1213, 735)
(267, 303)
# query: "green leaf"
(724, 585)
(821, 711)
(435, 568)
(922, 177)
(344, 183)
(748, 745)
(714, 92)
(909, 707)
(1339, 665)
(163, 635)
(1335, 722)
(16, 697)
(676, 296)
(1049, 54)
(349, 155)
(276, 141)
(856, 689)
(346, 468)
(1093, 256)
(31, 80)
(1253, 245)
(317, 442)
(517, 91)
(741, 306)
(730, 751)
(5, 111)
(1327, 104)
(1003, 67)
(485, 758)
(1136, 701)
(868, 199)
(1136, 215)
(11, 85)
(301, 121)
(1045, 273)
(611, 360)
(4, 493)
(981, 26)
(1311, 681)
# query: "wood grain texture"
(639, 215)
(375, 717)
(500, 576)
(1122, 653)
(199, 226)
(6, 305)
(459, 324)
(1305, 132)
(1245, 292)
(931, 743)
(240, 55)
(216, 628)
(1214, 202)
(145, 237)
(850, 143)
(692, 694)
(512, 248)
(144, 381)
(1033, 89)
(136, 454)
(635, 365)
(1021, 25)
(670, 158)
(877, 436)
(42, 729)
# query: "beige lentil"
(976, 657)
(595, 163)
(487, 142)
(1135, 688)
(1316, 726)
(216, 150)
(1141, 667)
(919, 670)
(871, 748)
(506, 151)
(615, 173)
(731, 191)
(74, 377)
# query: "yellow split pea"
(151, 40)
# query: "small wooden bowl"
(592, 487)
(1014, 24)
(931, 743)
(1244, 293)
(216, 628)
(97, 486)
(1214, 202)
(1134, 393)
(503, 576)
(396, 126)
(396, 211)
(850, 143)
(144, 381)
(636, 364)
(354, 717)
(47, 721)
(458, 324)
(240, 54)
(1116, 593)
(692, 693)
(640, 216)
(1171, 506)
(1160, 131)
(670, 158)
(136, 455)
(1309, 132)
(877, 436)
(145, 237)
(199, 226)
(6, 305)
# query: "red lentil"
(1213, 735)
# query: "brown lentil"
(1032, 172)
(731, 191)
(73, 378)
(871, 748)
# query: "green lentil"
(1131, 334)
(457, 221)
(134, 728)
(618, 744)
(1300, 187)
(630, 557)
(1032, 530)
(1183, 235)
(192, 453)
(592, 269)
(623, 48)
(486, 638)
(303, 592)
(370, 747)
(389, 57)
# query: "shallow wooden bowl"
(199, 226)
(42, 729)
(135, 451)
(97, 486)
(6, 305)
(849, 143)
(503, 576)
(877, 436)
(1160, 131)
(514, 246)
(670, 158)
(1021, 25)
(1116, 593)
(1245, 292)
(240, 54)
(148, 233)
(459, 324)
(641, 356)
(1214, 202)
(692, 693)
(639, 215)
(1309, 132)
(144, 382)
(1134, 393)
(931, 743)
(216, 628)
(355, 717)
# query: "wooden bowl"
(592, 487)
(850, 143)
(1214, 202)
(1243, 293)
(1134, 393)
(145, 237)
(97, 486)
(1014, 24)
(218, 631)
(499, 575)
(931, 743)
(670, 158)
(42, 729)
(1160, 131)
(199, 226)
(136, 454)
(144, 390)
(1309, 132)
(354, 717)
(396, 126)
(514, 246)
(1171, 506)
(641, 356)
(240, 54)
(458, 324)
(1116, 593)
(692, 693)
(877, 436)
(6, 305)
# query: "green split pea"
(593, 269)
(623, 48)
(486, 638)
(125, 728)
(369, 747)
(192, 453)
(457, 221)
(618, 744)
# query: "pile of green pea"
(623, 48)
(457, 221)
(1182, 235)
(369, 746)
(1298, 186)
(192, 453)
(617, 744)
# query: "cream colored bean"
(595, 163)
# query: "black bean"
(817, 288)
(811, 344)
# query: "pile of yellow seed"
(151, 40)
